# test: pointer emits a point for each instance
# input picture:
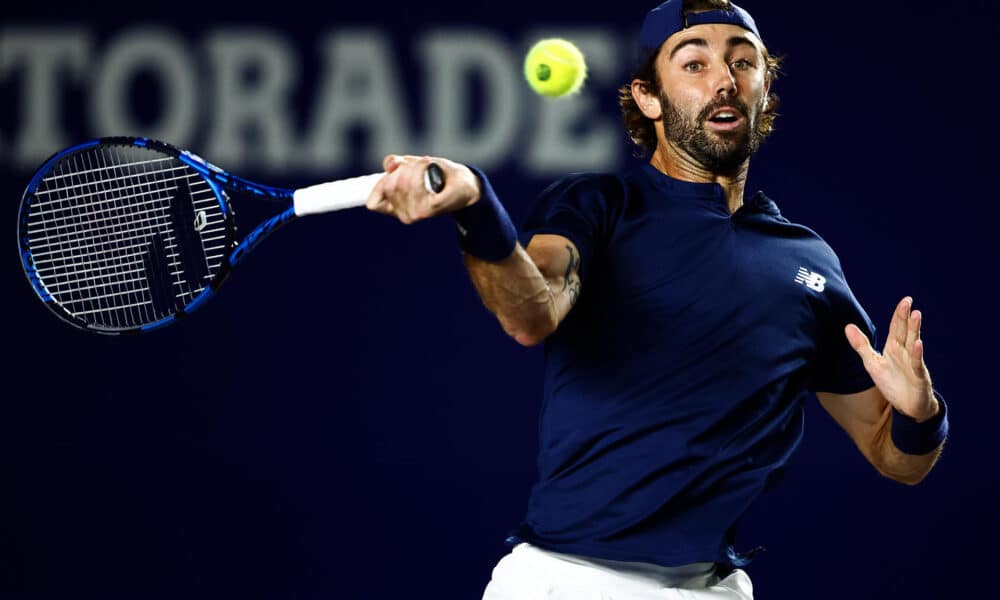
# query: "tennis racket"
(126, 235)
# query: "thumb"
(859, 341)
(376, 200)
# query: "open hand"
(899, 371)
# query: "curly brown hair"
(640, 128)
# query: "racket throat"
(255, 237)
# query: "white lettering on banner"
(559, 146)
(229, 97)
(449, 59)
(147, 50)
(45, 55)
(360, 87)
(253, 73)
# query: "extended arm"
(903, 392)
(530, 291)
(867, 418)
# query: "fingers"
(913, 328)
(898, 325)
(917, 354)
(391, 162)
(377, 200)
(905, 328)
(907, 349)
(916, 345)
(401, 191)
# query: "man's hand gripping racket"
(399, 193)
(126, 235)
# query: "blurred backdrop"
(346, 420)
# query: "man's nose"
(726, 82)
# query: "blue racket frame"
(219, 180)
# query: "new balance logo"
(811, 280)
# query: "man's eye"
(742, 64)
(693, 67)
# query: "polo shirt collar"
(712, 193)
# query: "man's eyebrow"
(741, 41)
(733, 42)
(690, 42)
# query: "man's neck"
(675, 163)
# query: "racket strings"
(105, 181)
(124, 236)
(79, 259)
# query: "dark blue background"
(346, 420)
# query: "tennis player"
(685, 324)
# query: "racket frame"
(324, 197)
(218, 180)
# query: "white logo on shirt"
(811, 280)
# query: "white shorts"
(531, 573)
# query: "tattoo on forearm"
(574, 290)
(571, 266)
(571, 280)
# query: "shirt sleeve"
(838, 368)
(577, 208)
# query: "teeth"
(725, 115)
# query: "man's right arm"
(530, 291)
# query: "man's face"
(712, 95)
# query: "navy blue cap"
(668, 18)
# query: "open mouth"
(725, 119)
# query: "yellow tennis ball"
(555, 67)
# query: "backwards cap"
(668, 18)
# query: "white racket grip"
(334, 195)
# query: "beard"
(719, 152)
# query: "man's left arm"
(899, 424)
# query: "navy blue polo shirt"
(674, 389)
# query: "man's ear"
(646, 99)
